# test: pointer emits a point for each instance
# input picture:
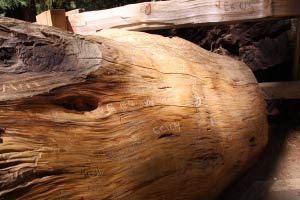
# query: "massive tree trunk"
(123, 115)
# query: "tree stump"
(123, 115)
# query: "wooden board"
(75, 11)
(55, 18)
(122, 115)
(281, 90)
(181, 13)
(72, 12)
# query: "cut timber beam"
(56, 18)
(181, 13)
(72, 12)
(75, 11)
(281, 90)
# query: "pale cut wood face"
(180, 13)
(122, 115)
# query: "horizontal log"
(181, 13)
(281, 90)
(122, 115)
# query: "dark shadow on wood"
(255, 184)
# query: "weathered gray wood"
(181, 13)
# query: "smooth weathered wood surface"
(124, 115)
(181, 13)
(281, 90)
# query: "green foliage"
(9, 4)
(86, 4)
(42, 5)
(98, 4)
(12, 6)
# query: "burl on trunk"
(121, 115)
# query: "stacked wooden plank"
(181, 13)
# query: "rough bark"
(124, 115)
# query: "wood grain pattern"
(122, 115)
(181, 13)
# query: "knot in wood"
(146, 9)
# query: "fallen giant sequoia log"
(123, 115)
